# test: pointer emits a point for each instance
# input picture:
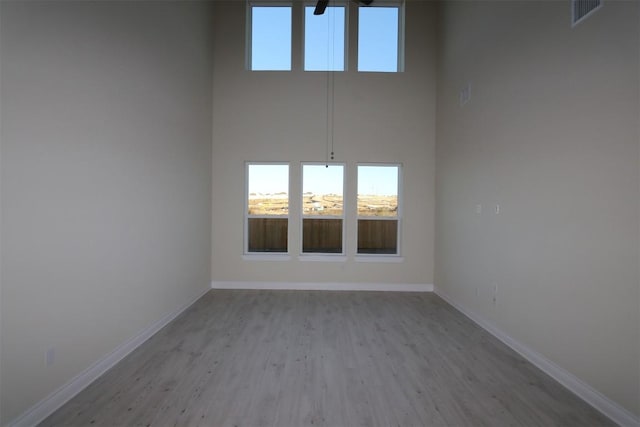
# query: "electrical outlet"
(49, 356)
(479, 209)
(495, 293)
(465, 94)
(497, 209)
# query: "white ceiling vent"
(582, 9)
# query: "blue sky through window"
(274, 179)
(268, 179)
(372, 180)
(378, 39)
(320, 179)
(324, 41)
(271, 38)
(378, 180)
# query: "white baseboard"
(587, 393)
(320, 286)
(55, 400)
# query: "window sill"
(266, 257)
(323, 258)
(379, 258)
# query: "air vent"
(582, 9)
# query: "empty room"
(320, 213)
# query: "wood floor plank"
(302, 358)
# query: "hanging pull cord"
(330, 116)
(330, 153)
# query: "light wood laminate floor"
(299, 358)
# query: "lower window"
(378, 209)
(322, 208)
(322, 236)
(268, 234)
(377, 236)
(267, 208)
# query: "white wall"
(106, 171)
(280, 116)
(551, 134)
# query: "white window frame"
(400, 5)
(320, 256)
(250, 4)
(397, 257)
(265, 256)
(338, 3)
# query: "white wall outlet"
(479, 209)
(49, 356)
(497, 209)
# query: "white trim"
(322, 258)
(378, 258)
(583, 390)
(321, 286)
(47, 406)
(266, 257)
